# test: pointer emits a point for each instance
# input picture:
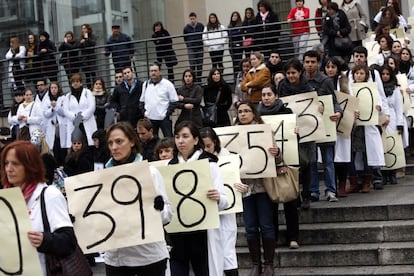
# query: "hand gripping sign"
(113, 207)
(187, 185)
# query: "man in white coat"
(158, 99)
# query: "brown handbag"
(284, 187)
(24, 132)
(74, 264)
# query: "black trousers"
(154, 269)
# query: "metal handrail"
(145, 54)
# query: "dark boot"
(393, 177)
(366, 185)
(231, 272)
(385, 177)
(255, 256)
(353, 185)
(269, 246)
(342, 189)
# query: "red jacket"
(299, 14)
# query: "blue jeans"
(258, 216)
(165, 125)
(327, 152)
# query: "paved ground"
(401, 193)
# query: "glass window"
(82, 7)
(116, 5)
(8, 8)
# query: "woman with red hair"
(22, 166)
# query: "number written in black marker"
(123, 179)
(176, 183)
(9, 209)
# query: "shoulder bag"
(343, 43)
(284, 187)
(209, 112)
(24, 132)
(74, 264)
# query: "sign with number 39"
(113, 207)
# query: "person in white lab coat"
(194, 246)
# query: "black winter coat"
(127, 104)
(224, 102)
(333, 24)
(192, 95)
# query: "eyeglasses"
(244, 111)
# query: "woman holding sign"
(228, 223)
(144, 259)
(342, 157)
(296, 83)
(395, 102)
(272, 105)
(197, 246)
(366, 144)
(22, 166)
(258, 208)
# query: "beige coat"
(357, 19)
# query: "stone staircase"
(363, 234)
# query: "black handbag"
(171, 59)
(209, 112)
(343, 43)
(75, 264)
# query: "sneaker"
(294, 245)
(331, 197)
(305, 203)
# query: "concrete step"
(406, 270)
(344, 211)
(394, 202)
(363, 254)
(345, 233)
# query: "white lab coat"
(33, 111)
(228, 228)
(214, 239)
(86, 106)
(10, 58)
(373, 140)
(53, 116)
(342, 145)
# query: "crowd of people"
(90, 128)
